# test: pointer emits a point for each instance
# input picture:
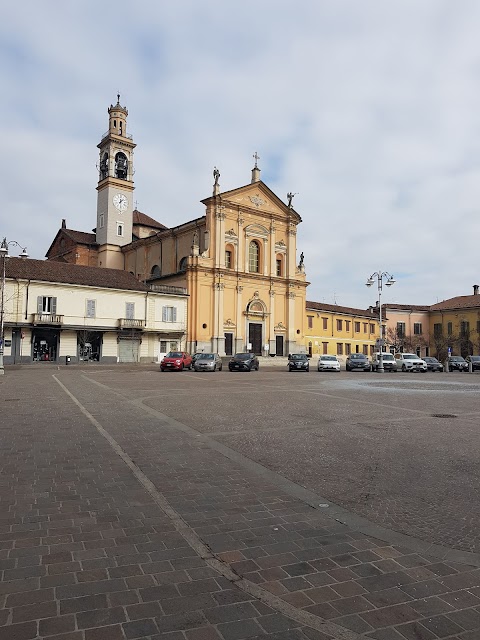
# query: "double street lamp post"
(380, 275)
(3, 257)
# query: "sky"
(368, 110)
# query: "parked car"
(208, 362)
(243, 362)
(298, 362)
(389, 362)
(410, 362)
(433, 364)
(176, 360)
(457, 363)
(475, 360)
(357, 361)
(328, 363)
(196, 355)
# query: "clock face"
(120, 201)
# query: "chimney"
(475, 289)
(64, 223)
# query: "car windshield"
(430, 359)
(328, 358)
(474, 358)
(358, 356)
(410, 356)
(206, 356)
(457, 359)
(243, 356)
(174, 354)
(387, 356)
(298, 356)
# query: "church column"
(240, 339)
(291, 252)
(271, 328)
(273, 261)
(218, 333)
(220, 236)
(291, 332)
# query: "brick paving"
(154, 533)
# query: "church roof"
(65, 273)
(81, 237)
(146, 221)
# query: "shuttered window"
(91, 308)
(46, 304)
(169, 314)
(130, 310)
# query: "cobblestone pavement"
(120, 518)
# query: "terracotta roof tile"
(406, 307)
(146, 221)
(81, 237)
(460, 302)
(65, 273)
(335, 308)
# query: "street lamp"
(380, 275)
(4, 255)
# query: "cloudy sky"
(369, 110)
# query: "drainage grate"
(444, 415)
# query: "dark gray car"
(357, 362)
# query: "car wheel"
(307, 369)
(404, 368)
(221, 367)
(181, 367)
(214, 367)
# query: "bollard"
(470, 367)
(445, 367)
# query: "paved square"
(136, 504)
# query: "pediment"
(259, 197)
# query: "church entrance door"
(255, 337)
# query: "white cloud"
(370, 111)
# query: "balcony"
(164, 288)
(47, 318)
(130, 323)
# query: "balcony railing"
(129, 323)
(129, 136)
(47, 318)
(165, 288)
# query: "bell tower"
(115, 189)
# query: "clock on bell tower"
(115, 189)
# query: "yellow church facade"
(238, 262)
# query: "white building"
(54, 310)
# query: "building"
(237, 260)
(454, 326)
(53, 310)
(407, 328)
(335, 330)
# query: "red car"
(176, 360)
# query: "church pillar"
(240, 339)
(271, 324)
(291, 333)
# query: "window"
(357, 327)
(478, 327)
(46, 304)
(169, 314)
(310, 322)
(348, 349)
(119, 228)
(253, 257)
(372, 328)
(449, 328)
(357, 347)
(325, 324)
(372, 350)
(417, 328)
(347, 325)
(339, 325)
(155, 271)
(365, 327)
(279, 267)
(90, 309)
(228, 259)
(365, 349)
(129, 310)
(101, 221)
(163, 346)
(437, 329)
(339, 349)
(182, 266)
(464, 328)
(324, 347)
(401, 329)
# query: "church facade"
(238, 261)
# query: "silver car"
(208, 362)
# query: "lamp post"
(3, 256)
(380, 275)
